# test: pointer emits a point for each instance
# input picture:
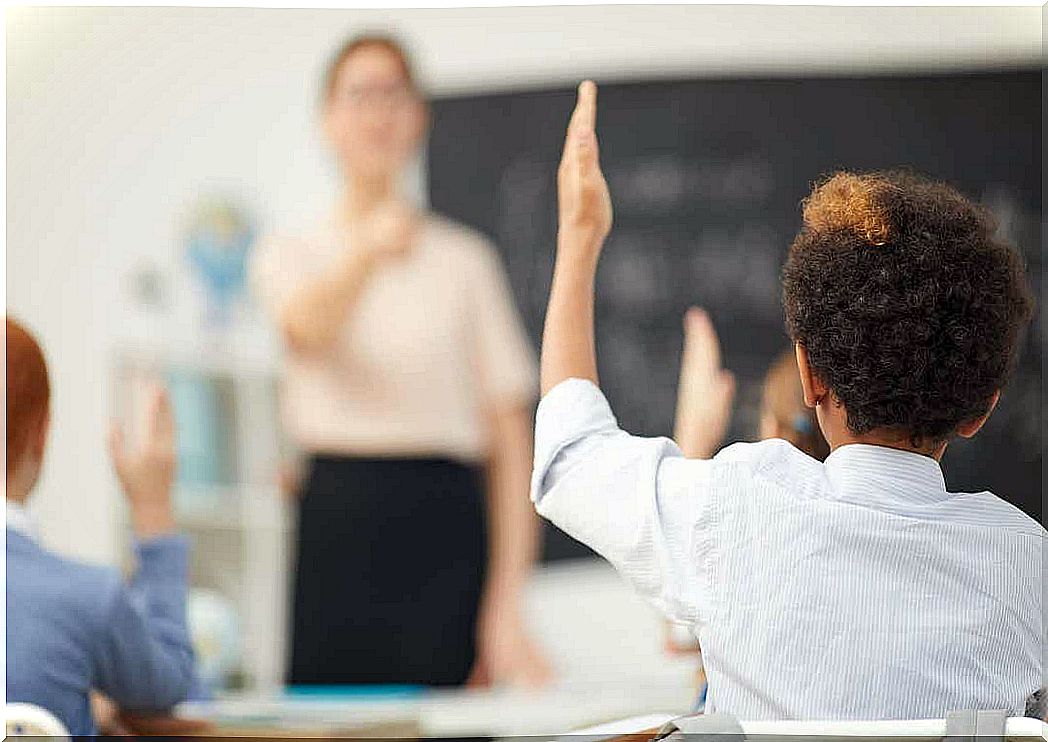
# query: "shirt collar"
(18, 519)
(903, 474)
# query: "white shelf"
(239, 531)
(230, 507)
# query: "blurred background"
(149, 147)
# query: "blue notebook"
(353, 692)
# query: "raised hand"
(147, 473)
(585, 211)
(705, 392)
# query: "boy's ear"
(814, 388)
(970, 428)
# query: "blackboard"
(707, 176)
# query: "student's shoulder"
(989, 510)
(774, 460)
(770, 455)
(53, 582)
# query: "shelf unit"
(239, 522)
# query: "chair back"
(28, 720)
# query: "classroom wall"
(117, 117)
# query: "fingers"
(584, 117)
(701, 337)
(163, 417)
(692, 317)
(580, 144)
(159, 420)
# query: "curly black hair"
(908, 305)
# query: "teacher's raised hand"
(584, 201)
(568, 348)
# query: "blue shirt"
(74, 627)
(858, 588)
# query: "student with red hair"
(71, 627)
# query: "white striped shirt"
(858, 588)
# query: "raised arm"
(144, 659)
(568, 347)
(636, 501)
(705, 391)
(314, 312)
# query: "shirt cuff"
(163, 558)
(570, 411)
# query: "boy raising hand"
(858, 587)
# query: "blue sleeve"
(144, 657)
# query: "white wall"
(117, 117)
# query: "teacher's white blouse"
(431, 347)
(856, 589)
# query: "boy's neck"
(833, 421)
(898, 443)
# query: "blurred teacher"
(410, 384)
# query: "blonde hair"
(862, 204)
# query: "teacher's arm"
(314, 312)
(504, 362)
(506, 654)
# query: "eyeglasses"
(364, 96)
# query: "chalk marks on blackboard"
(692, 232)
(525, 232)
(738, 265)
(639, 372)
(636, 277)
(657, 185)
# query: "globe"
(218, 239)
(215, 631)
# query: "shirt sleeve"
(503, 356)
(636, 501)
(144, 660)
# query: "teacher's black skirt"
(390, 568)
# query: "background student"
(706, 392)
(891, 596)
(72, 627)
(409, 384)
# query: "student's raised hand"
(584, 211)
(584, 203)
(705, 392)
(147, 470)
